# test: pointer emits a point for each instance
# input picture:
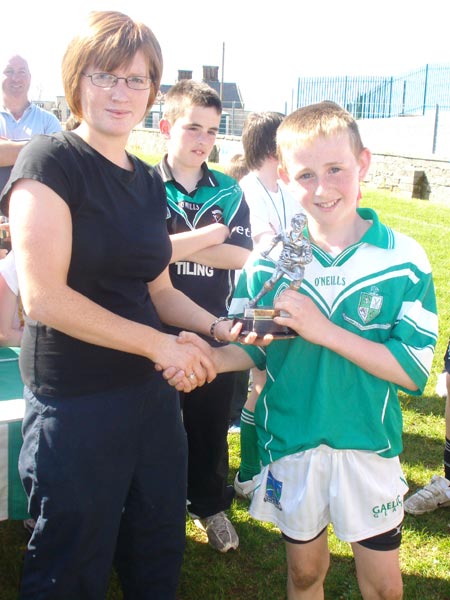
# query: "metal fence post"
(424, 108)
(435, 132)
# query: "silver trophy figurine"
(295, 254)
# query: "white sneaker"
(234, 428)
(434, 495)
(221, 534)
(441, 385)
(244, 489)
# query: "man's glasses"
(107, 80)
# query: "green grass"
(152, 159)
(257, 570)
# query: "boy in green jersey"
(209, 225)
(328, 420)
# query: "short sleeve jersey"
(380, 288)
(120, 243)
(217, 199)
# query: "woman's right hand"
(189, 364)
(226, 358)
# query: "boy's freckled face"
(193, 136)
(324, 175)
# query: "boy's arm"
(373, 357)
(231, 358)
(237, 248)
(9, 151)
(309, 322)
(222, 256)
(186, 244)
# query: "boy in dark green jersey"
(328, 420)
(209, 228)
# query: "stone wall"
(411, 177)
(402, 174)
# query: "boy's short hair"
(187, 93)
(316, 120)
(237, 167)
(259, 137)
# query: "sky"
(263, 45)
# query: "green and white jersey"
(380, 288)
(216, 199)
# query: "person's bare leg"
(378, 573)
(447, 407)
(447, 429)
(307, 567)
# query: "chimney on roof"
(184, 74)
(210, 73)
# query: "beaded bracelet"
(212, 329)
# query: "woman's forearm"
(176, 309)
(72, 313)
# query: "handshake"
(207, 361)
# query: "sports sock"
(447, 459)
(250, 464)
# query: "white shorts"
(359, 492)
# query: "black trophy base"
(260, 321)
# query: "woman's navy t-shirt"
(120, 242)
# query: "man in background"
(19, 118)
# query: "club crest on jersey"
(369, 306)
(273, 491)
(218, 215)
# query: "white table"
(13, 501)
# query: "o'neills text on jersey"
(329, 280)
